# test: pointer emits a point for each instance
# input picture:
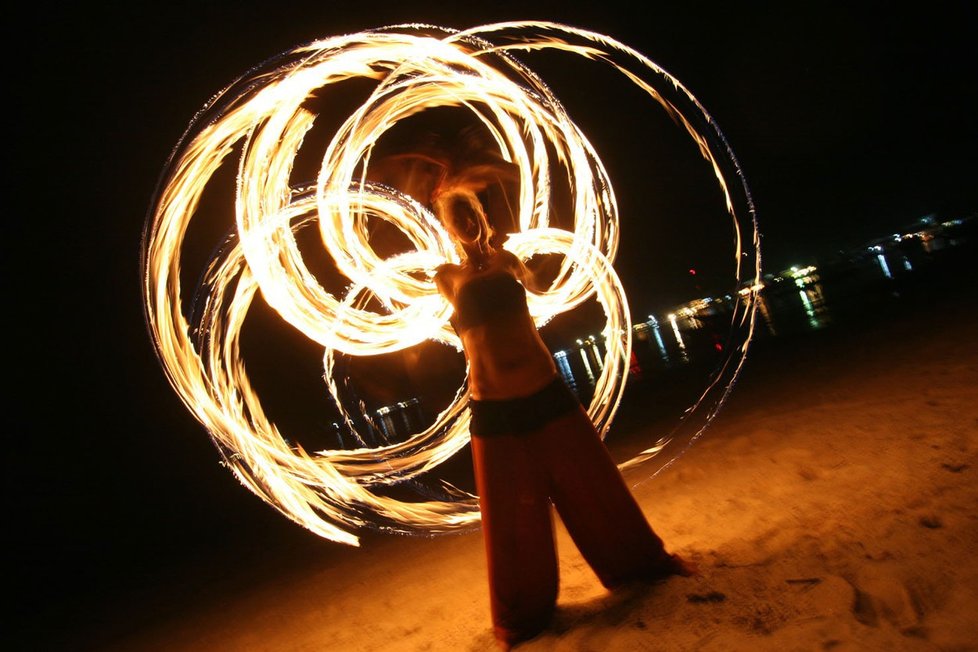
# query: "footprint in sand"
(882, 597)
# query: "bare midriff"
(506, 356)
(507, 359)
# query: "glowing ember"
(390, 303)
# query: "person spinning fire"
(533, 445)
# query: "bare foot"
(673, 565)
(683, 567)
(669, 566)
(508, 639)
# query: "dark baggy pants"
(518, 476)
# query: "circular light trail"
(390, 303)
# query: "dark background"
(848, 124)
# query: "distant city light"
(886, 268)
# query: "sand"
(831, 505)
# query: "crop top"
(488, 298)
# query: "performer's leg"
(596, 506)
(518, 532)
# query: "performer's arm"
(524, 274)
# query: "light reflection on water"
(674, 351)
(835, 294)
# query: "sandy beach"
(831, 505)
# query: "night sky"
(847, 124)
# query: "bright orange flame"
(330, 492)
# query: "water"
(884, 282)
(676, 353)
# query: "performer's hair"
(451, 200)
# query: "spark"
(391, 304)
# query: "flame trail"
(264, 118)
